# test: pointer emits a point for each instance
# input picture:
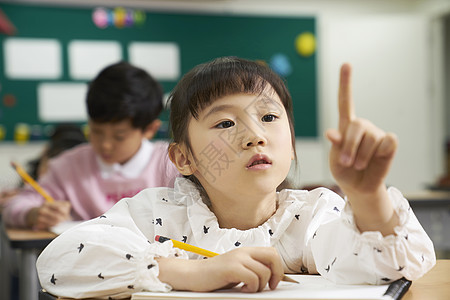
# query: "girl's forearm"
(374, 211)
(181, 274)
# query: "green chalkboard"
(200, 37)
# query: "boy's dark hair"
(122, 91)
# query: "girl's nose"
(254, 140)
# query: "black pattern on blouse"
(165, 200)
(102, 217)
(336, 209)
(329, 266)
(270, 232)
(205, 229)
(150, 266)
(237, 244)
(297, 217)
(80, 247)
(334, 260)
(53, 279)
(131, 287)
(128, 256)
(184, 239)
(100, 276)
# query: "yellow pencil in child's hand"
(201, 251)
(27, 178)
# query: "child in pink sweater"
(123, 104)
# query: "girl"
(233, 142)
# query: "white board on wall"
(161, 60)
(62, 102)
(88, 58)
(32, 58)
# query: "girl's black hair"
(218, 78)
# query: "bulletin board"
(200, 37)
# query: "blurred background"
(399, 50)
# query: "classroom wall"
(390, 45)
(446, 49)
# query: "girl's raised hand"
(360, 157)
(361, 153)
(255, 267)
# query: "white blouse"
(113, 255)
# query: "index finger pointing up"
(346, 111)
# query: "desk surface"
(28, 239)
(433, 285)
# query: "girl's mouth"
(259, 162)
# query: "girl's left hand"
(361, 153)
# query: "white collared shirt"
(130, 169)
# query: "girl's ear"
(152, 129)
(179, 156)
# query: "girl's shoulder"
(310, 200)
(309, 195)
(184, 193)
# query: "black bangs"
(229, 76)
(216, 79)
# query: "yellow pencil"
(32, 182)
(201, 251)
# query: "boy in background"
(123, 104)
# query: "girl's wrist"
(374, 211)
(178, 273)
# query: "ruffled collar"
(205, 227)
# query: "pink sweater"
(75, 176)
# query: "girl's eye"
(225, 124)
(269, 118)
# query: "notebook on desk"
(63, 226)
(309, 287)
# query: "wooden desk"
(434, 285)
(29, 243)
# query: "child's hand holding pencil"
(255, 267)
(50, 213)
